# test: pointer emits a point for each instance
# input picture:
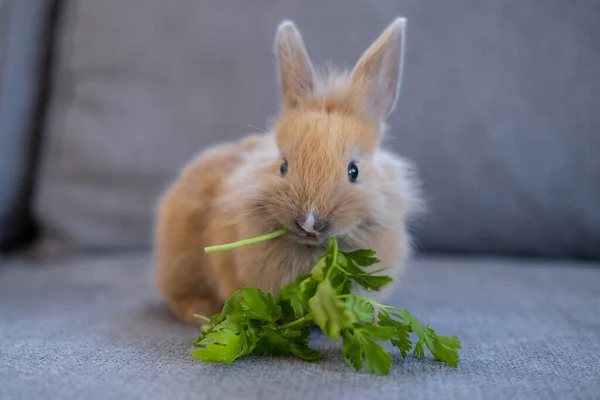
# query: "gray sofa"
(102, 102)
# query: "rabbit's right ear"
(380, 68)
(296, 74)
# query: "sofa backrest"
(498, 110)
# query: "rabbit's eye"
(352, 172)
(283, 168)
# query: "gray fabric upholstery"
(93, 328)
(4, 19)
(22, 24)
(498, 110)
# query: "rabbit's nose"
(312, 223)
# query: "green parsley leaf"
(340, 282)
(377, 359)
(299, 344)
(364, 311)
(318, 271)
(233, 305)
(372, 282)
(365, 279)
(288, 314)
(419, 350)
(271, 343)
(330, 313)
(352, 351)
(377, 332)
(232, 309)
(443, 348)
(400, 337)
(308, 287)
(292, 293)
(358, 349)
(260, 305)
(362, 257)
(305, 353)
(277, 342)
(297, 295)
(220, 346)
(225, 344)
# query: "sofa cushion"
(4, 19)
(498, 111)
(93, 327)
(22, 44)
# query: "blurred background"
(103, 101)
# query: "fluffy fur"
(236, 191)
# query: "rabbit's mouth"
(309, 238)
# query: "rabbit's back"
(184, 216)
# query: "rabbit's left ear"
(296, 74)
(380, 69)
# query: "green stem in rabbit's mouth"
(245, 242)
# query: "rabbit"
(320, 171)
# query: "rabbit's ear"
(296, 74)
(380, 68)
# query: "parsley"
(255, 322)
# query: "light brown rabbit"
(320, 172)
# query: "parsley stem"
(306, 318)
(372, 302)
(333, 257)
(335, 252)
(382, 307)
(201, 317)
(245, 242)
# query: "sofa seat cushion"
(93, 327)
